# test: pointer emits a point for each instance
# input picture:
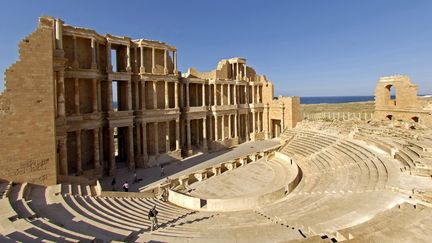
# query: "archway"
(390, 94)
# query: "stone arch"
(390, 90)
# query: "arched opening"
(390, 95)
(389, 117)
(415, 119)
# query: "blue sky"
(307, 48)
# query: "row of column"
(256, 94)
(237, 73)
(142, 67)
(96, 94)
(63, 161)
(75, 63)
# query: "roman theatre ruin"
(221, 158)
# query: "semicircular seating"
(348, 192)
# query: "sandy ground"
(356, 107)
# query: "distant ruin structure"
(81, 103)
(405, 105)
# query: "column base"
(204, 148)
(94, 66)
(142, 70)
(189, 152)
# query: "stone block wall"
(27, 145)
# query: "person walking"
(126, 187)
(113, 183)
(162, 170)
(152, 216)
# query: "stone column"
(156, 142)
(229, 94)
(137, 141)
(222, 95)
(99, 94)
(59, 34)
(247, 127)
(166, 95)
(109, 64)
(142, 68)
(253, 94)
(210, 127)
(63, 156)
(75, 63)
(203, 95)
(229, 126)
(135, 59)
(204, 146)
(245, 73)
(215, 94)
(188, 130)
(260, 121)
(61, 111)
(216, 128)
(109, 95)
(267, 122)
(96, 148)
(95, 95)
(235, 126)
(177, 132)
(253, 124)
(128, 59)
(155, 105)
(94, 60)
(144, 143)
(175, 61)
(246, 87)
(259, 94)
(283, 117)
(235, 94)
(77, 97)
(112, 161)
(129, 95)
(143, 95)
(131, 157)
(187, 94)
(223, 127)
(137, 88)
(78, 153)
(165, 62)
(167, 138)
(153, 61)
(176, 102)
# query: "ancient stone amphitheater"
(242, 168)
(327, 183)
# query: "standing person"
(152, 216)
(113, 183)
(162, 170)
(126, 186)
(135, 179)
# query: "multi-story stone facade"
(118, 102)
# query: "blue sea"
(335, 99)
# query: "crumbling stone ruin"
(81, 103)
(405, 106)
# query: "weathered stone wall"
(27, 144)
(406, 106)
